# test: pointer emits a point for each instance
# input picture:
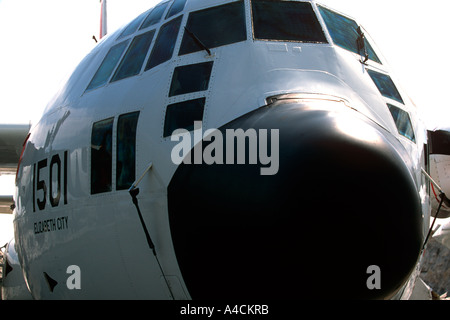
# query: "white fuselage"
(60, 221)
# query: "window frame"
(188, 68)
(375, 77)
(174, 10)
(372, 54)
(186, 46)
(134, 26)
(318, 24)
(113, 162)
(107, 79)
(124, 61)
(177, 21)
(120, 144)
(96, 162)
(167, 129)
(164, 6)
(409, 123)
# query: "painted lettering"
(49, 183)
(50, 225)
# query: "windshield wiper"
(361, 43)
(197, 41)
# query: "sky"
(41, 42)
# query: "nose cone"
(342, 200)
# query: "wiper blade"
(361, 43)
(197, 41)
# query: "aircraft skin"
(347, 192)
(13, 286)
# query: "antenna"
(103, 19)
(134, 191)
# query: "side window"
(286, 21)
(215, 27)
(344, 32)
(107, 67)
(155, 16)
(190, 78)
(177, 7)
(403, 122)
(131, 63)
(126, 150)
(165, 43)
(385, 85)
(182, 115)
(101, 156)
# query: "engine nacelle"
(14, 286)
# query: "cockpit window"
(165, 43)
(177, 7)
(190, 78)
(155, 16)
(403, 122)
(126, 150)
(385, 85)
(286, 21)
(131, 63)
(182, 115)
(133, 26)
(107, 67)
(215, 27)
(344, 32)
(101, 156)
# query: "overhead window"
(177, 7)
(108, 65)
(215, 27)
(126, 150)
(286, 21)
(165, 43)
(101, 156)
(182, 115)
(155, 16)
(403, 122)
(385, 85)
(131, 63)
(133, 26)
(344, 32)
(191, 78)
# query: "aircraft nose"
(341, 201)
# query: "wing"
(12, 137)
(5, 204)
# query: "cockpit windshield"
(286, 21)
(214, 27)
